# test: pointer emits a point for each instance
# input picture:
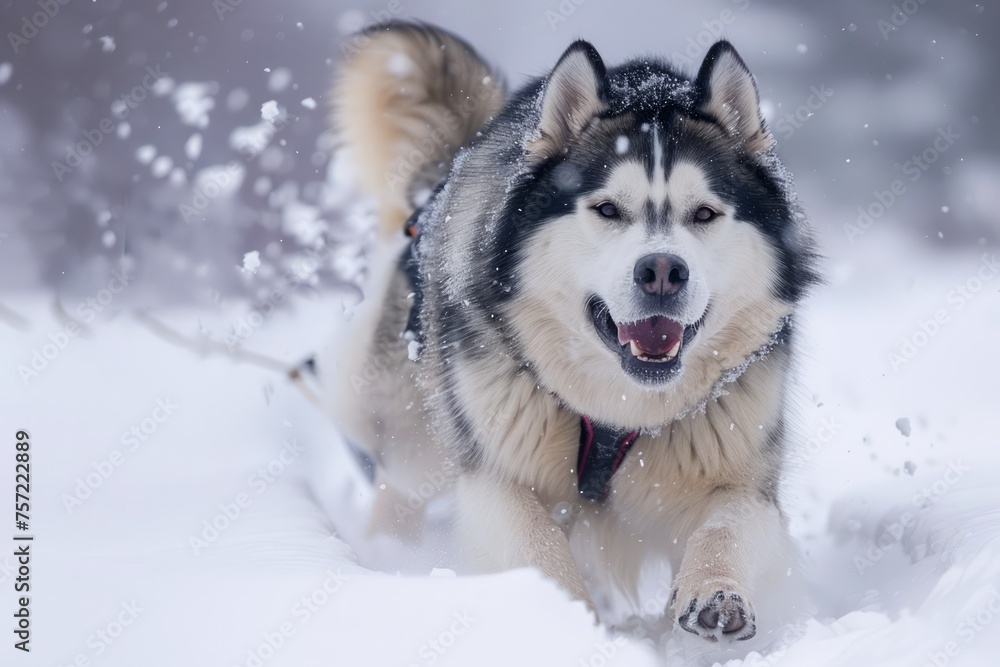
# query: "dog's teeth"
(641, 356)
(653, 360)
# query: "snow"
(220, 180)
(279, 79)
(145, 153)
(161, 166)
(237, 99)
(399, 64)
(880, 599)
(891, 490)
(165, 85)
(194, 102)
(251, 139)
(270, 111)
(251, 261)
(303, 222)
(192, 147)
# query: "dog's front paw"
(723, 614)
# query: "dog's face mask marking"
(659, 232)
(650, 286)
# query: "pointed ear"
(572, 96)
(728, 92)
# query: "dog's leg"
(726, 562)
(506, 526)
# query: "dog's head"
(656, 242)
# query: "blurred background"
(170, 139)
(173, 203)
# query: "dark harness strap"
(410, 266)
(602, 450)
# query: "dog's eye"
(705, 214)
(607, 210)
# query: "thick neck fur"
(591, 384)
(531, 435)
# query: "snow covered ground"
(191, 508)
(212, 536)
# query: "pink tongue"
(655, 336)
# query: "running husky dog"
(601, 287)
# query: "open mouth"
(650, 349)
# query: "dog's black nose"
(660, 274)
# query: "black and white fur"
(524, 280)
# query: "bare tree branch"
(204, 347)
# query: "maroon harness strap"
(602, 450)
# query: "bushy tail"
(407, 99)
